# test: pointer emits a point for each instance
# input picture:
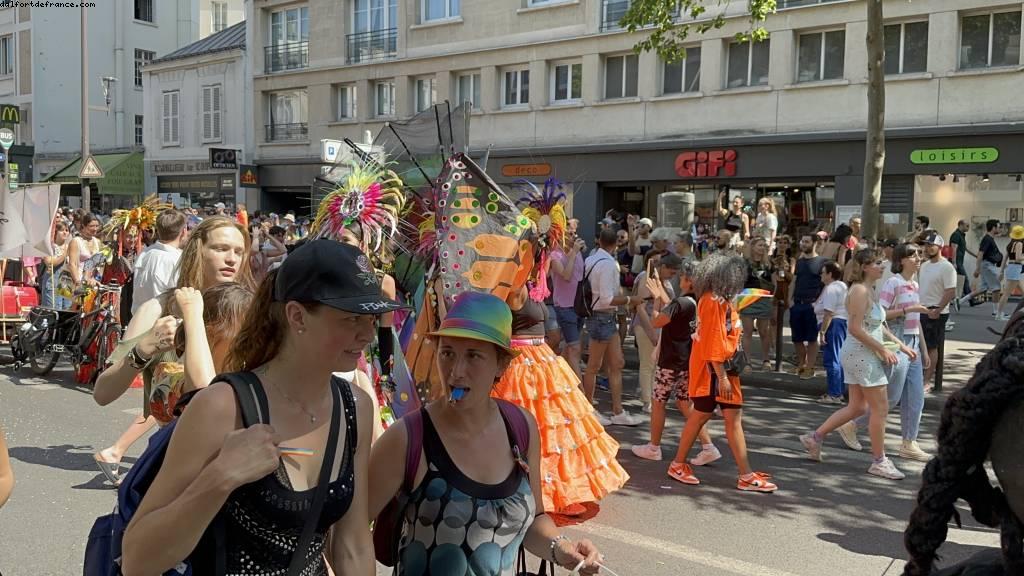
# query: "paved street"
(826, 517)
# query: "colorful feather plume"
(371, 198)
(546, 209)
(130, 224)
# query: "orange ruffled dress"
(578, 457)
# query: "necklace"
(262, 371)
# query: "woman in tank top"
(83, 267)
(474, 503)
(307, 321)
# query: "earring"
(302, 330)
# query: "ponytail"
(262, 331)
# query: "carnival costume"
(578, 458)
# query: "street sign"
(90, 169)
(12, 177)
(223, 158)
(330, 150)
(6, 138)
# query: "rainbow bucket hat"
(478, 316)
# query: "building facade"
(40, 75)
(557, 91)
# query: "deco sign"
(706, 164)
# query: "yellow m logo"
(10, 114)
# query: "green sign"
(12, 183)
(954, 156)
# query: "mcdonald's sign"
(10, 114)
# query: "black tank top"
(264, 519)
(528, 320)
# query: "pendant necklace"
(312, 417)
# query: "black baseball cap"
(333, 274)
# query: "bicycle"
(88, 335)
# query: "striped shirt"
(900, 294)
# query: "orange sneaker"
(757, 482)
(682, 473)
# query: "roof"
(227, 39)
(122, 173)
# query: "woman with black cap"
(310, 318)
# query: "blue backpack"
(103, 550)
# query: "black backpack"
(583, 304)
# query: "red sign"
(706, 164)
(522, 170)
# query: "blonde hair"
(770, 203)
(190, 273)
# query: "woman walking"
(308, 321)
(868, 365)
(476, 496)
(1012, 265)
(665, 270)
(760, 275)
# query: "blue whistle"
(457, 394)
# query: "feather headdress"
(125, 224)
(546, 209)
(371, 197)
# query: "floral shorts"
(667, 381)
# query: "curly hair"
(720, 274)
(958, 469)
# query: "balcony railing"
(373, 45)
(611, 12)
(287, 132)
(798, 3)
(290, 56)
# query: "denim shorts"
(550, 323)
(602, 326)
(570, 324)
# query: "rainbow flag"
(748, 296)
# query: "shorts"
(570, 324)
(1013, 271)
(989, 278)
(707, 404)
(667, 381)
(761, 309)
(803, 323)
(602, 326)
(934, 331)
(551, 323)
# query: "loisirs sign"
(954, 156)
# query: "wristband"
(136, 360)
(554, 543)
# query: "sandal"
(110, 469)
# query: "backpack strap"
(519, 426)
(413, 448)
(252, 398)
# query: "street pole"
(86, 200)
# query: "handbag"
(545, 569)
(738, 363)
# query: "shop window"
(440, 9)
(515, 87)
(142, 57)
(682, 76)
(821, 56)
(346, 102)
(426, 93)
(566, 83)
(385, 99)
(906, 48)
(748, 64)
(469, 90)
(990, 40)
(621, 75)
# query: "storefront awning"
(122, 174)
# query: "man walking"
(959, 241)
(937, 282)
(988, 267)
(803, 322)
(605, 346)
(156, 269)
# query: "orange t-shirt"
(713, 343)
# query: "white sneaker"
(911, 451)
(950, 325)
(647, 452)
(1002, 318)
(886, 469)
(812, 446)
(848, 432)
(625, 419)
(602, 419)
(706, 456)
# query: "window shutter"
(207, 113)
(165, 135)
(174, 117)
(216, 112)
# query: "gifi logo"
(706, 164)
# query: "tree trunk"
(874, 149)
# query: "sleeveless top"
(264, 519)
(454, 525)
(528, 320)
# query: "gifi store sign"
(954, 156)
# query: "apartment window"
(138, 130)
(346, 102)
(289, 115)
(218, 16)
(906, 48)
(682, 76)
(426, 93)
(144, 10)
(212, 113)
(288, 26)
(469, 90)
(142, 57)
(374, 15)
(515, 87)
(440, 9)
(988, 40)
(385, 93)
(7, 55)
(567, 82)
(821, 56)
(621, 75)
(748, 64)
(169, 118)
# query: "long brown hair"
(263, 330)
(861, 259)
(190, 265)
(224, 307)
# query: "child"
(676, 319)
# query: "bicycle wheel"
(42, 363)
(109, 336)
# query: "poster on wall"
(844, 213)
(1014, 215)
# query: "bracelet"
(136, 360)
(554, 543)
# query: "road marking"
(680, 551)
(41, 386)
(133, 411)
